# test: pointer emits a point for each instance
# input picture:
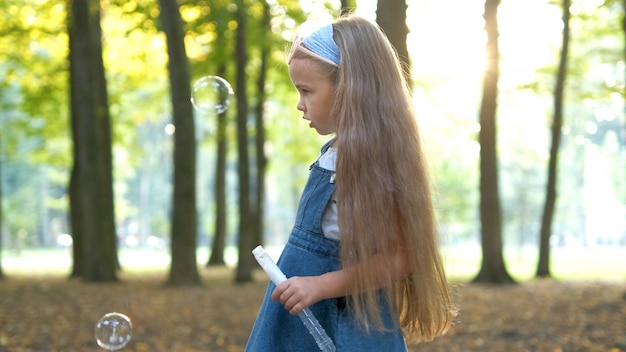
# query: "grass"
(462, 262)
(567, 264)
(585, 310)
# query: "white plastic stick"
(308, 319)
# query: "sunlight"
(447, 38)
(530, 35)
(447, 42)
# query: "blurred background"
(249, 163)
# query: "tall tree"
(259, 117)
(219, 237)
(493, 269)
(391, 17)
(91, 183)
(543, 266)
(183, 268)
(222, 57)
(245, 242)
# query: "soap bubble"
(113, 331)
(211, 94)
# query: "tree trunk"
(219, 237)
(391, 17)
(76, 214)
(221, 208)
(91, 186)
(493, 269)
(245, 240)
(543, 266)
(183, 268)
(261, 160)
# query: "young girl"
(363, 252)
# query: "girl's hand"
(297, 293)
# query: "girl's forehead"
(299, 67)
(303, 65)
(301, 62)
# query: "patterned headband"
(321, 43)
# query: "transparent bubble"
(211, 94)
(113, 331)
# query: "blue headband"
(322, 44)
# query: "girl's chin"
(322, 132)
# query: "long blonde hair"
(383, 188)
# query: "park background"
(447, 46)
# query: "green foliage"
(34, 76)
(598, 99)
(34, 129)
(33, 122)
(20, 200)
(594, 108)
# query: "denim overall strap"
(309, 253)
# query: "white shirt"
(330, 224)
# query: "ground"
(51, 313)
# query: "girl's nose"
(300, 106)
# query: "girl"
(363, 251)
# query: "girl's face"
(317, 94)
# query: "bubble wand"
(308, 319)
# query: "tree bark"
(543, 266)
(261, 160)
(493, 269)
(183, 268)
(391, 17)
(245, 240)
(219, 237)
(91, 186)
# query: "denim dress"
(309, 253)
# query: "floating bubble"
(211, 94)
(113, 331)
